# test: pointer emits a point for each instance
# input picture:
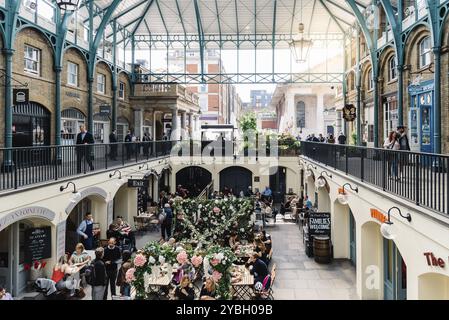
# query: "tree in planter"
(248, 126)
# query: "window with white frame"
(32, 59)
(72, 74)
(101, 79)
(425, 52)
(392, 69)
(121, 90)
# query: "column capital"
(8, 52)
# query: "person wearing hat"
(166, 222)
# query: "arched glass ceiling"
(151, 19)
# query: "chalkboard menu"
(319, 223)
(37, 244)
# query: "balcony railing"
(24, 167)
(418, 177)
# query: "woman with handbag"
(62, 275)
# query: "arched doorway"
(71, 120)
(236, 178)
(194, 179)
(371, 261)
(433, 286)
(395, 272)
(94, 204)
(19, 249)
(102, 128)
(278, 184)
(164, 180)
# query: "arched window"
(425, 52)
(392, 68)
(301, 114)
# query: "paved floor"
(299, 277)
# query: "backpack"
(162, 216)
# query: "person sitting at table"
(259, 268)
(112, 231)
(261, 249)
(285, 207)
(266, 239)
(185, 291)
(124, 228)
(234, 241)
(208, 291)
(62, 275)
(79, 258)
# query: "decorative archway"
(194, 179)
(236, 178)
(433, 286)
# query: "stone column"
(191, 124)
(138, 122)
(183, 125)
(174, 121)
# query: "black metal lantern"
(67, 5)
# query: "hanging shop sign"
(37, 244)
(349, 112)
(105, 110)
(138, 183)
(319, 223)
(434, 261)
(20, 96)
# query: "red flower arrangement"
(38, 264)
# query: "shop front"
(31, 124)
(102, 128)
(71, 120)
(26, 248)
(390, 112)
(395, 272)
(122, 128)
(421, 117)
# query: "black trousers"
(113, 152)
(166, 229)
(111, 277)
(83, 154)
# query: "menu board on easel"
(37, 244)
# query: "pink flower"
(216, 276)
(140, 260)
(196, 261)
(216, 210)
(129, 276)
(182, 257)
(214, 262)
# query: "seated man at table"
(185, 290)
(208, 291)
(125, 230)
(259, 268)
(266, 239)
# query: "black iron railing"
(22, 167)
(418, 177)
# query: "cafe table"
(159, 285)
(243, 290)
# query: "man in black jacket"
(129, 146)
(113, 152)
(111, 259)
(83, 140)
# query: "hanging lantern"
(342, 196)
(309, 173)
(67, 5)
(300, 47)
(387, 230)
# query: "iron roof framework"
(169, 25)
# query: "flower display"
(216, 210)
(196, 261)
(182, 257)
(140, 260)
(217, 276)
(129, 276)
(151, 260)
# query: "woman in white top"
(392, 143)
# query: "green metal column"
(90, 104)
(345, 85)
(400, 93)
(114, 78)
(437, 101)
(8, 100)
(58, 71)
(359, 89)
